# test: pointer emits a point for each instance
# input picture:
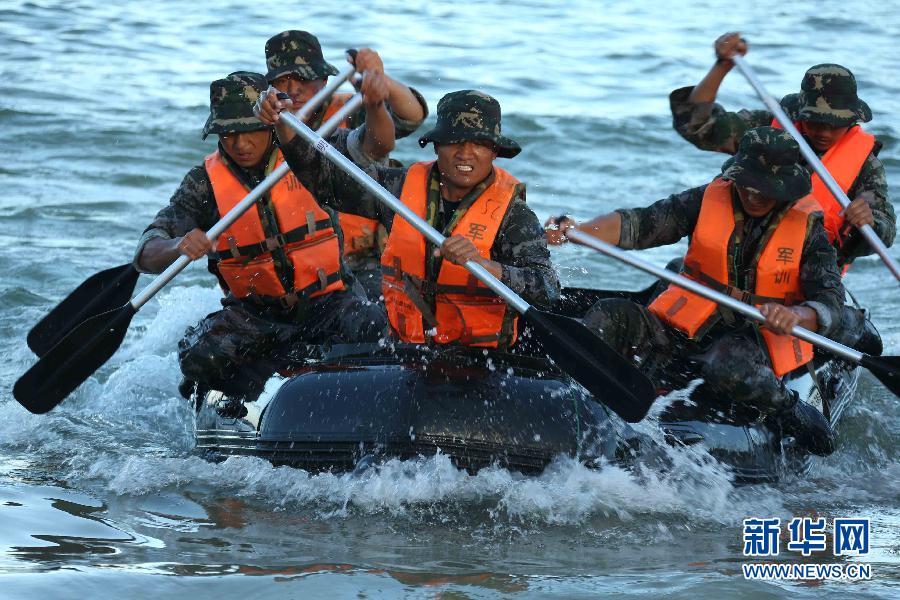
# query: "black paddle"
(885, 368)
(70, 362)
(612, 379)
(100, 293)
(89, 344)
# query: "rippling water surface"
(101, 107)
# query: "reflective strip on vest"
(844, 160)
(313, 252)
(777, 272)
(463, 312)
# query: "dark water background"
(101, 106)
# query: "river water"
(101, 106)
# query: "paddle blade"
(886, 369)
(606, 374)
(69, 363)
(100, 293)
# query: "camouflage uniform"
(709, 127)
(828, 95)
(520, 246)
(299, 53)
(237, 348)
(731, 357)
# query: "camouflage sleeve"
(192, 206)
(402, 127)
(332, 186)
(662, 223)
(871, 184)
(708, 126)
(820, 278)
(521, 249)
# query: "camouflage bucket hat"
(231, 103)
(827, 95)
(767, 162)
(296, 52)
(469, 115)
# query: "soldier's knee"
(200, 354)
(611, 314)
(675, 264)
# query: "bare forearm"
(284, 132)
(158, 254)
(492, 267)
(403, 102)
(808, 317)
(606, 227)
(708, 88)
(379, 134)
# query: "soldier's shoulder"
(195, 186)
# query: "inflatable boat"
(352, 406)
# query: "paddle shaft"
(362, 178)
(250, 199)
(814, 161)
(751, 312)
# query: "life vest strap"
(289, 301)
(281, 240)
(433, 288)
(730, 290)
(412, 288)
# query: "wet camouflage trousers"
(238, 348)
(734, 365)
(368, 274)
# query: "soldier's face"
(247, 149)
(822, 136)
(464, 165)
(755, 204)
(300, 90)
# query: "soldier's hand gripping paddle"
(885, 368)
(612, 380)
(88, 344)
(815, 162)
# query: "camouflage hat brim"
(506, 147)
(239, 125)
(801, 107)
(783, 183)
(305, 71)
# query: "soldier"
(280, 262)
(296, 66)
(756, 234)
(827, 111)
(428, 295)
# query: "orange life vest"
(777, 277)
(337, 103)
(465, 310)
(305, 236)
(843, 160)
(360, 233)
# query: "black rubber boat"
(356, 405)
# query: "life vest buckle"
(233, 248)
(275, 242)
(740, 295)
(288, 301)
